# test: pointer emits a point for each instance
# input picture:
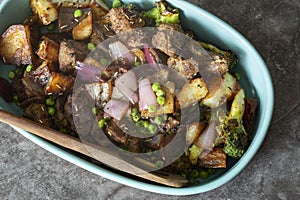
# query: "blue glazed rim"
(266, 116)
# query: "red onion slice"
(149, 58)
(146, 94)
(127, 85)
(207, 139)
(116, 108)
(88, 73)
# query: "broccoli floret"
(163, 14)
(235, 136)
(229, 55)
(236, 142)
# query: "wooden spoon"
(75, 144)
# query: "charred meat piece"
(15, 45)
(58, 84)
(38, 113)
(34, 26)
(48, 49)
(214, 159)
(18, 89)
(122, 19)
(71, 51)
(219, 63)
(57, 37)
(101, 32)
(45, 10)
(186, 68)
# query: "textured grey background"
(29, 172)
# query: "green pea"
(165, 117)
(159, 164)
(137, 63)
(160, 92)
(103, 61)
(134, 111)
(146, 123)
(51, 27)
(194, 174)
(91, 46)
(155, 86)
(158, 120)
(140, 123)
(51, 111)
(203, 174)
(29, 68)
(77, 13)
(152, 108)
(101, 123)
(50, 102)
(19, 71)
(135, 118)
(152, 128)
(11, 75)
(116, 4)
(161, 100)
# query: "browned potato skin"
(48, 49)
(84, 29)
(45, 10)
(15, 46)
(58, 84)
(98, 11)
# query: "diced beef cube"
(101, 32)
(38, 113)
(186, 68)
(122, 19)
(71, 51)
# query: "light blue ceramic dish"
(211, 29)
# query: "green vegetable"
(237, 75)
(103, 61)
(160, 92)
(29, 68)
(101, 123)
(203, 174)
(140, 123)
(194, 173)
(77, 13)
(51, 111)
(11, 75)
(152, 128)
(159, 164)
(19, 71)
(51, 27)
(152, 108)
(146, 123)
(91, 46)
(161, 100)
(194, 153)
(155, 86)
(157, 120)
(116, 4)
(135, 118)
(232, 58)
(50, 102)
(163, 14)
(134, 111)
(235, 136)
(137, 63)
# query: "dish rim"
(219, 181)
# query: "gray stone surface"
(29, 172)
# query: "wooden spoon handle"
(75, 144)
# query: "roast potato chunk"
(48, 49)
(58, 84)
(193, 91)
(45, 10)
(15, 46)
(84, 28)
